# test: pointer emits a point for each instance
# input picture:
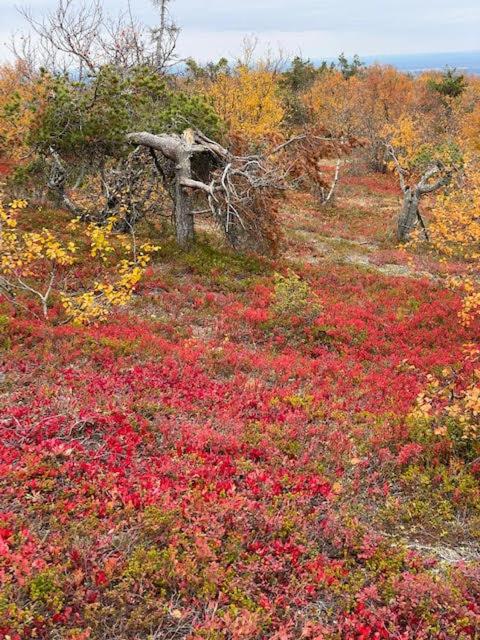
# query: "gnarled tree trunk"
(184, 222)
(180, 150)
(409, 215)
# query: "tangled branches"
(127, 190)
(241, 193)
(244, 201)
(131, 190)
(315, 160)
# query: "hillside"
(239, 327)
(238, 453)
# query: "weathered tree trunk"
(409, 215)
(184, 222)
(180, 150)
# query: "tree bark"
(409, 215)
(184, 222)
(179, 150)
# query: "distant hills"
(464, 61)
(467, 62)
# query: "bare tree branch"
(79, 37)
(236, 184)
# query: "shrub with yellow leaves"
(416, 150)
(96, 303)
(249, 102)
(34, 266)
(448, 410)
(455, 233)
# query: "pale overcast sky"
(314, 28)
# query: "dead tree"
(164, 37)
(79, 37)
(306, 155)
(239, 191)
(410, 216)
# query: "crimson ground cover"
(223, 462)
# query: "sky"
(312, 28)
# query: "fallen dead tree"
(315, 161)
(241, 193)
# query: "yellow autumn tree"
(440, 167)
(361, 106)
(331, 102)
(425, 165)
(455, 234)
(249, 102)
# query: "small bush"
(293, 296)
(5, 342)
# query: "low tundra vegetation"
(232, 406)
(242, 452)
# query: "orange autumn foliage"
(22, 96)
(471, 129)
(331, 102)
(362, 105)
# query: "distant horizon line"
(465, 61)
(372, 57)
(467, 52)
(471, 52)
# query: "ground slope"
(235, 456)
